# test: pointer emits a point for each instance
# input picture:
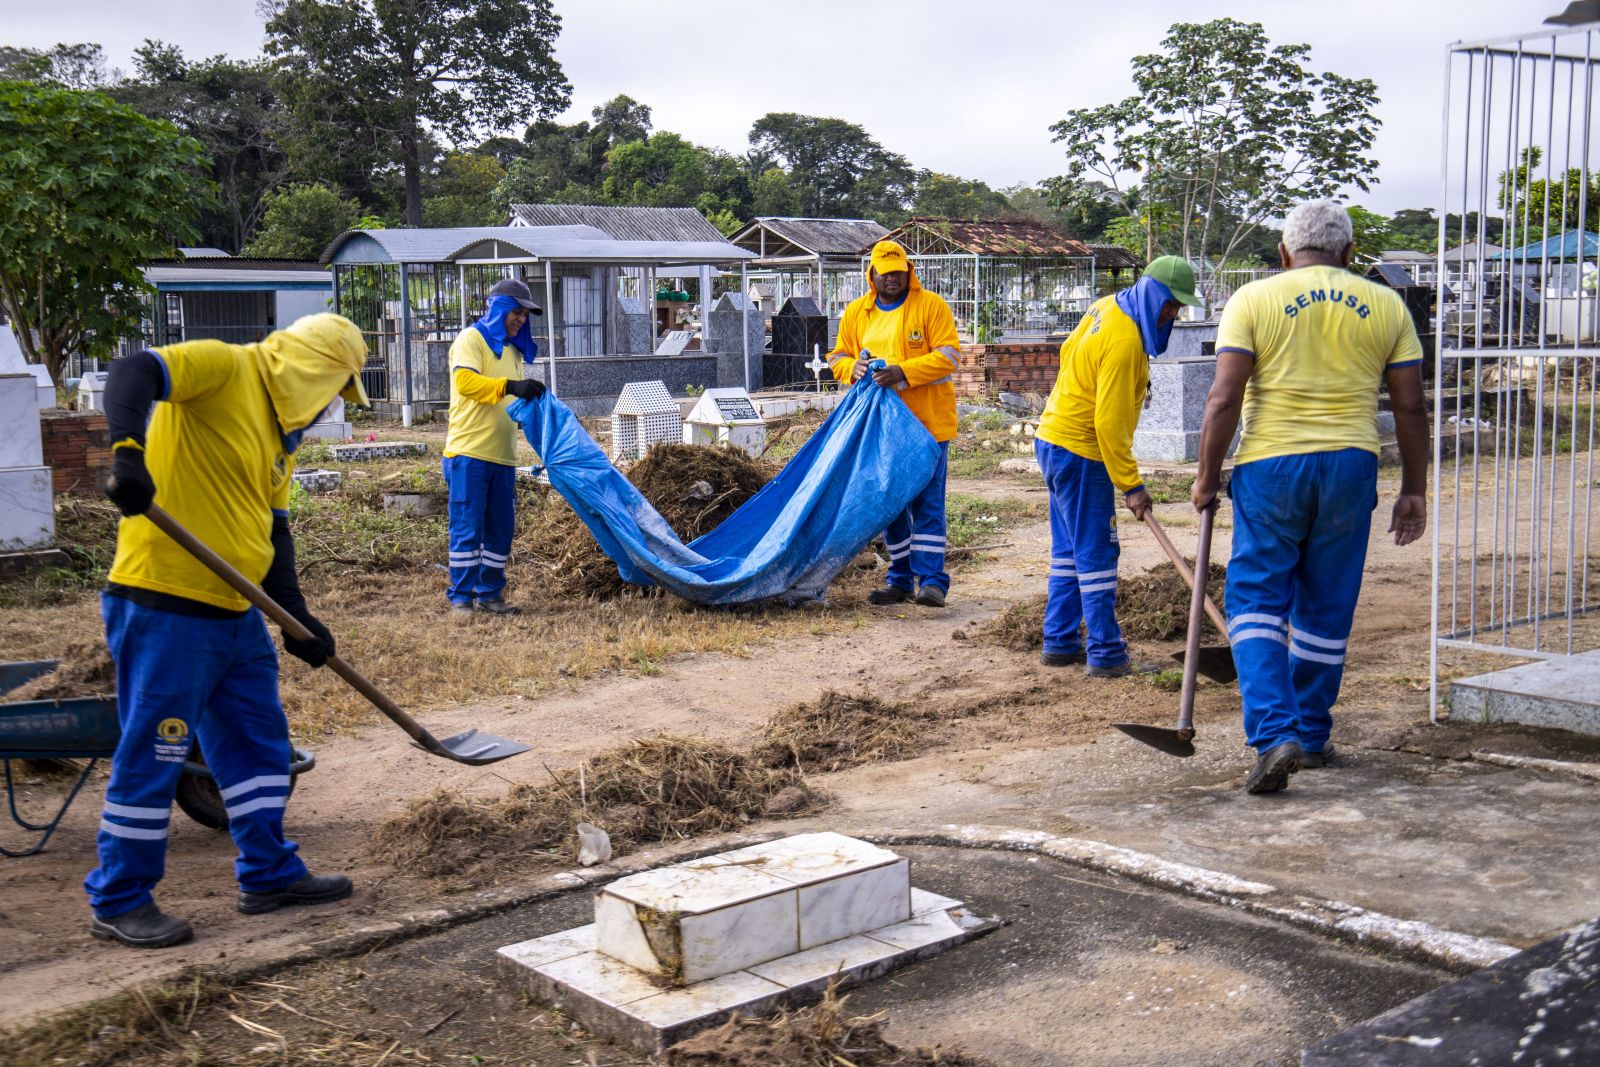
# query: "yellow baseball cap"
(888, 256)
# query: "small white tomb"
(645, 413)
(27, 497)
(726, 417)
(679, 949)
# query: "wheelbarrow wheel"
(200, 799)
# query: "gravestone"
(633, 326)
(1169, 428)
(27, 500)
(725, 333)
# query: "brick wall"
(77, 449)
(1010, 367)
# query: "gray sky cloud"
(955, 86)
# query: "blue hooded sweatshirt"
(1142, 302)
(493, 328)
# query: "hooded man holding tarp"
(913, 332)
(1084, 445)
(194, 659)
(487, 365)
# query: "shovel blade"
(1163, 738)
(1215, 663)
(474, 748)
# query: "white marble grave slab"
(20, 434)
(853, 903)
(27, 508)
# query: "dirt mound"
(1153, 606)
(693, 487)
(836, 731)
(652, 789)
(821, 1036)
(85, 671)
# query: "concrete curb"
(1587, 771)
(1404, 938)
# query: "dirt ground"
(1013, 744)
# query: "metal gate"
(1517, 352)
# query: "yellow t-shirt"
(882, 330)
(482, 431)
(218, 463)
(1322, 339)
(1099, 392)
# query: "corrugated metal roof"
(1563, 246)
(1001, 237)
(206, 252)
(1115, 257)
(572, 244)
(229, 276)
(622, 223)
(823, 237)
(237, 263)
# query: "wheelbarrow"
(87, 728)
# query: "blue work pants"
(1300, 529)
(180, 678)
(1082, 586)
(483, 518)
(916, 537)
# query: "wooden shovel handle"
(291, 625)
(1212, 611)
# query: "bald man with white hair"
(1300, 359)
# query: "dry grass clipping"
(836, 731)
(145, 1025)
(1153, 606)
(693, 487)
(652, 789)
(86, 670)
(819, 1036)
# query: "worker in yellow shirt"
(480, 449)
(1084, 446)
(1301, 356)
(914, 333)
(194, 659)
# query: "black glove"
(129, 486)
(526, 389)
(315, 651)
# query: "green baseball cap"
(1175, 273)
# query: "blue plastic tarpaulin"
(859, 470)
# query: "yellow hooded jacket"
(925, 325)
(215, 450)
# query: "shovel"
(469, 746)
(1180, 741)
(1216, 661)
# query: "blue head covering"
(1142, 302)
(493, 328)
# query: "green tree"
(1224, 132)
(73, 66)
(90, 191)
(401, 68)
(462, 193)
(836, 166)
(947, 196)
(1533, 204)
(773, 195)
(300, 221)
(233, 109)
(620, 120)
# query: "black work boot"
(312, 889)
(1310, 761)
(930, 596)
(1273, 768)
(1121, 670)
(1062, 659)
(498, 607)
(889, 594)
(143, 927)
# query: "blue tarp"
(859, 470)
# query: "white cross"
(817, 365)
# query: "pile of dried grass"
(836, 731)
(693, 487)
(652, 789)
(86, 670)
(819, 1036)
(1153, 606)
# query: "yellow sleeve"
(939, 327)
(1236, 330)
(842, 360)
(280, 495)
(195, 370)
(1407, 348)
(474, 386)
(1119, 398)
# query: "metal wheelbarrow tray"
(87, 728)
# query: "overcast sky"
(964, 87)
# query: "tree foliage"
(836, 167)
(403, 68)
(1224, 131)
(947, 196)
(90, 192)
(72, 66)
(300, 221)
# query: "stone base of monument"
(679, 949)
